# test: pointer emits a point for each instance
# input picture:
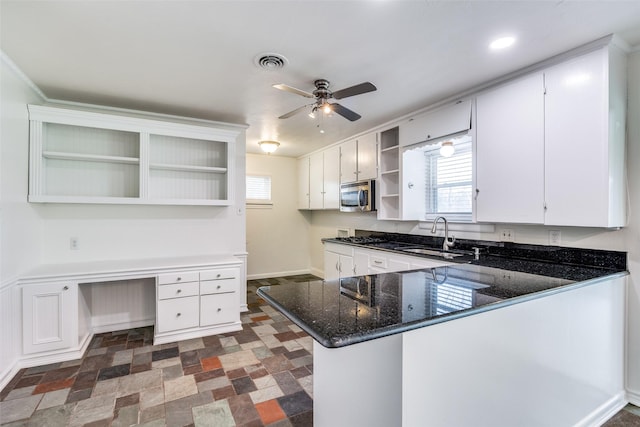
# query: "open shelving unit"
(88, 157)
(389, 188)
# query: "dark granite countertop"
(351, 310)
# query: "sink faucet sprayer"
(446, 244)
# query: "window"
(259, 190)
(449, 181)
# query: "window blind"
(258, 189)
(449, 182)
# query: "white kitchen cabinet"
(585, 110)
(344, 261)
(303, 183)
(359, 158)
(559, 160)
(389, 180)
(49, 316)
(190, 303)
(90, 157)
(434, 124)
(324, 179)
(338, 261)
(510, 152)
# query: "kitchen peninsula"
(491, 341)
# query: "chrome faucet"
(446, 244)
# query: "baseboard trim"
(276, 274)
(633, 397)
(317, 272)
(121, 326)
(168, 337)
(7, 375)
(605, 411)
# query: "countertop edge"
(383, 332)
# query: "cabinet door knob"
(218, 287)
(66, 288)
(179, 314)
(219, 310)
(179, 290)
(179, 279)
(218, 275)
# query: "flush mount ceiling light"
(270, 61)
(269, 146)
(502, 43)
(447, 149)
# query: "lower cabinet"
(50, 316)
(193, 300)
(344, 261)
(177, 313)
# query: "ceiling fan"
(322, 95)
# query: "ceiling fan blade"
(345, 112)
(294, 112)
(291, 89)
(354, 90)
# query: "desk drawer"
(177, 313)
(219, 308)
(177, 290)
(220, 274)
(218, 286)
(188, 276)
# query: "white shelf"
(87, 157)
(390, 195)
(395, 147)
(90, 157)
(187, 168)
(390, 172)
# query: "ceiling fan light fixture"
(327, 108)
(447, 149)
(269, 146)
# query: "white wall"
(325, 224)
(278, 236)
(632, 232)
(20, 226)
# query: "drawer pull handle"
(179, 290)
(66, 288)
(179, 279)
(377, 262)
(179, 314)
(218, 275)
(218, 287)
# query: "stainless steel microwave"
(358, 196)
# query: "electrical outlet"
(73, 244)
(555, 237)
(507, 235)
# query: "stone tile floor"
(260, 376)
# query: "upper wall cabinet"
(510, 152)
(303, 183)
(550, 146)
(359, 159)
(434, 124)
(89, 157)
(585, 112)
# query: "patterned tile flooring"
(260, 376)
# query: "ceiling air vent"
(270, 61)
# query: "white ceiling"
(195, 58)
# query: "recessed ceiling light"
(502, 43)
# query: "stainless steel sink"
(432, 252)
